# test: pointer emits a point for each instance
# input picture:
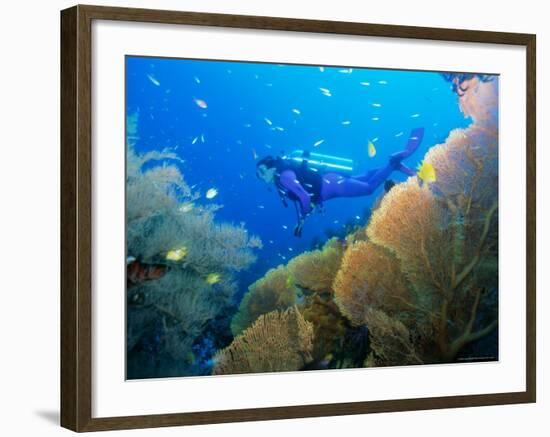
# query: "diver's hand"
(298, 228)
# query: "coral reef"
(370, 275)
(390, 341)
(274, 291)
(305, 281)
(315, 270)
(277, 341)
(172, 299)
(419, 283)
(445, 236)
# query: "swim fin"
(415, 138)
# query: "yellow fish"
(176, 254)
(211, 193)
(426, 172)
(372, 150)
(213, 278)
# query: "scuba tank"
(320, 162)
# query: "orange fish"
(137, 272)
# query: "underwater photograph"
(284, 217)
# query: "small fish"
(415, 115)
(268, 121)
(211, 193)
(285, 227)
(321, 69)
(398, 134)
(254, 154)
(318, 143)
(374, 140)
(213, 278)
(324, 90)
(377, 105)
(375, 118)
(271, 242)
(186, 207)
(279, 128)
(364, 83)
(176, 254)
(195, 140)
(247, 125)
(130, 259)
(291, 249)
(345, 70)
(357, 217)
(153, 80)
(372, 150)
(346, 122)
(426, 172)
(296, 111)
(202, 138)
(137, 272)
(382, 82)
(200, 103)
(197, 79)
(261, 206)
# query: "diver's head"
(266, 168)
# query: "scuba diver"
(309, 179)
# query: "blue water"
(241, 95)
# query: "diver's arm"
(288, 181)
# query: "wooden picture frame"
(76, 217)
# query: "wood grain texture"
(68, 347)
(76, 217)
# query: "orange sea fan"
(274, 291)
(412, 224)
(480, 101)
(278, 341)
(390, 341)
(315, 270)
(370, 276)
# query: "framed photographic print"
(339, 216)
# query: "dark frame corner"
(76, 221)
